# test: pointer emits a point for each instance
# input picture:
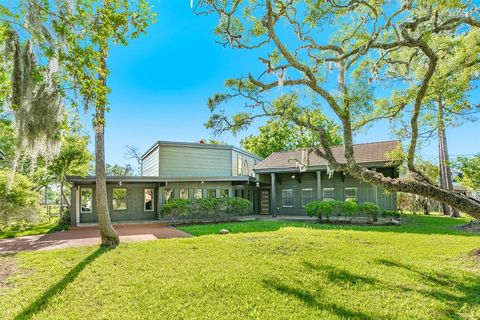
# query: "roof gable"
(365, 153)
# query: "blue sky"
(161, 82)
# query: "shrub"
(224, 208)
(320, 209)
(176, 208)
(350, 208)
(392, 214)
(370, 209)
(21, 203)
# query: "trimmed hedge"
(348, 209)
(210, 208)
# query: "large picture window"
(183, 193)
(148, 195)
(169, 194)
(287, 198)
(212, 193)
(328, 194)
(351, 194)
(307, 196)
(197, 193)
(86, 196)
(224, 193)
(239, 165)
(119, 199)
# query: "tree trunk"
(107, 232)
(412, 184)
(446, 180)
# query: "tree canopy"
(354, 57)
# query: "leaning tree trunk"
(107, 232)
(446, 180)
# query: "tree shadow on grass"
(468, 288)
(311, 300)
(337, 275)
(41, 302)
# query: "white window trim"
(351, 188)
(180, 193)
(126, 201)
(91, 195)
(328, 198)
(283, 205)
(301, 195)
(153, 200)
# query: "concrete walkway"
(87, 236)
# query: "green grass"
(30, 230)
(410, 223)
(290, 273)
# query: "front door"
(264, 201)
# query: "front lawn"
(410, 223)
(291, 273)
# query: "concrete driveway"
(86, 236)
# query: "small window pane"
(86, 200)
(183, 193)
(169, 194)
(239, 165)
(212, 193)
(328, 194)
(148, 199)
(351, 194)
(287, 197)
(197, 193)
(224, 193)
(119, 199)
(307, 196)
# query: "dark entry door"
(264, 201)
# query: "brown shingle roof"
(374, 152)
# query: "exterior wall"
(150, 164)
(365, 191)
(248, 164)
(135, 203)
(186, 161)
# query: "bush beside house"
(20, 203)
(216, 209)
(348, 210)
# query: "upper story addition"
(186, 159)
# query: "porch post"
(319, 185)
(273, 201)
(73, 206)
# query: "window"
(239, 165)
(212, 193)
(246, 168)
(351, 194)
(307, 196)
(328, 194)
(197, 193)
(119, 199)
(148, 195)
(224, 193)
(86, 200)
(169, 194)
(287, 198)
(183, 193)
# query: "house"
(295, 178)
(170, 170)
(275, 185)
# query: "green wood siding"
(135, 209)
(186, 161)
(365, 191)
(150, 164)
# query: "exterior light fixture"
(257, 184)
(120, 183)
(293, 176)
